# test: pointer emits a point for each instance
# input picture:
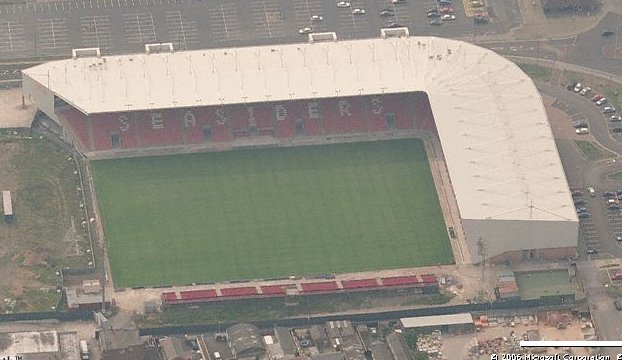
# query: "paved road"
(590, 47)
(607, 319)
(582, 174)
(122, 26)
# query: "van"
(85, 354)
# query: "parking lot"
(122, 26)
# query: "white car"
(615, 117)
(586, 90)
(306, 30)
(578, 87)
(343, 4)
(358, 11)
(317, 18)
(448, 17)
(601, 101)
(609, 110)
(582, 131)
(398, 1)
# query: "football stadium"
(267, 161)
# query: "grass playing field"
(262, 213)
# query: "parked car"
(387, 12)
(617, 237)
(436, 22)
(358, 11)
(583, 215)
(446, 10)
(618, 304)
(590, 250)
(433, 14)
(447, 17)
(597, 97)
(317, 18)
(579, 202)
(581, 209)
(582, 131)
(343, 4)
(607, 33)
(586, 90)
(443, 2)
(613, 207)
(609, 195)
(580, 124)
(609, 110)
(394, 24)
(577, 87)
(576, 193)
(305, 30)
(601, 101)
(591, 191)
(477, 3)
(615, 117)
(398, 1)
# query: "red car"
(446, 10)
(596, 97)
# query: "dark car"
(613, 207)
(581, 209)
(434, 15)
(607, 33)
(609, 194)
(394, 25)
(583, 215)
(452, 232)
(436, 22)
(576, 193)
(590, 250)
(618, 304)
(579, 202)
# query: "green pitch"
(262, 213)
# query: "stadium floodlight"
(85, 52)
(322, 37)
(394, 32)
(159, 48)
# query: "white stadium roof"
(491, 121)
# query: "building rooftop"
(486, 108)
(119, 339)
(436, 320)
(29, 342)
(397, 346)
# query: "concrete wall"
(517, 237)
(40, 95)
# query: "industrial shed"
(452, 324)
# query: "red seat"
(77, 124)
(344, 115)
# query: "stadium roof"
(436, 320)
(492, 125)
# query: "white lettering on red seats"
(314, 110)
(376, 106)
(222, 116)
(156, 121)
(125, 123)
(344, 108)
(252, 122)
(280, 112)
(189, 119)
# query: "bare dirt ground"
(12, 113)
